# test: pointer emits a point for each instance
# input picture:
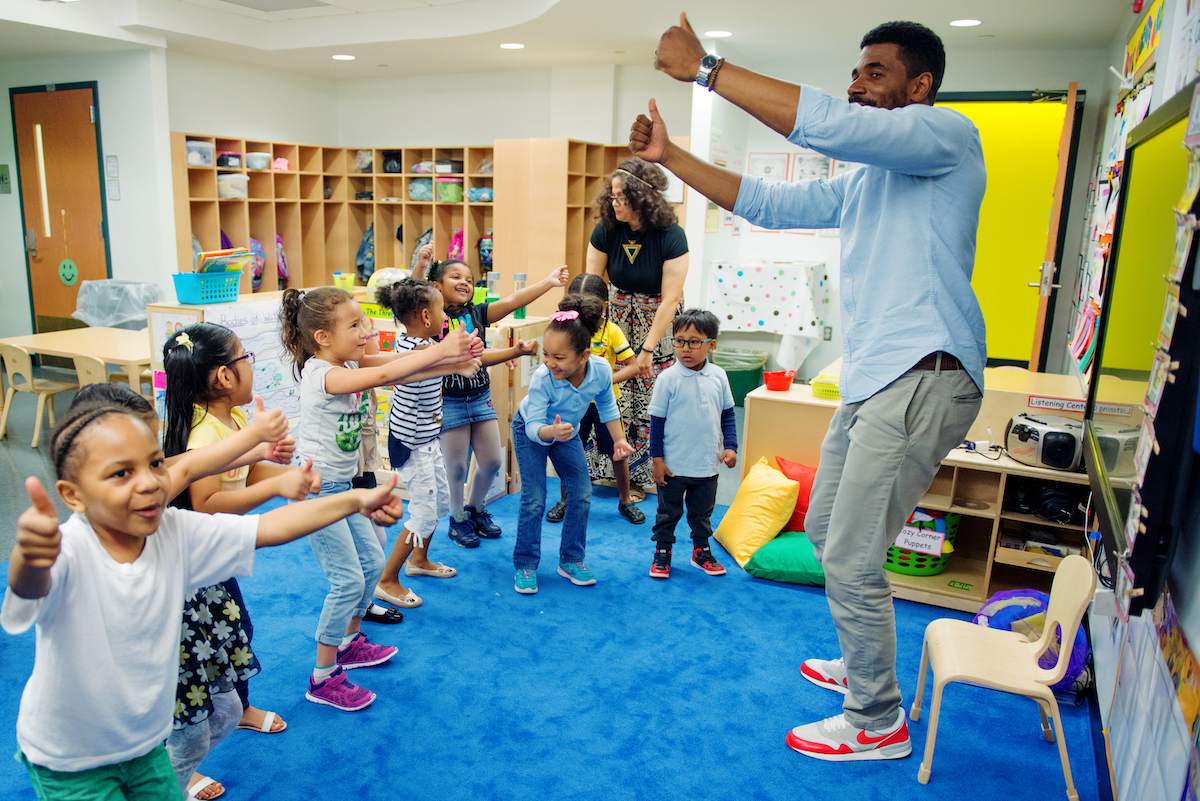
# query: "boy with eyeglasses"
(692, 431)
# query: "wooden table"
(129, 350)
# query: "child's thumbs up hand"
(38, 538)
(562, 431)
(380, 505)
(268, 426)
(296, 484)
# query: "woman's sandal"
(441, 571)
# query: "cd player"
(1045, 441)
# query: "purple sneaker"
(361, 653)
(339, 692)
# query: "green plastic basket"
(915, 563)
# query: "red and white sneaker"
(835, 740)
(661, 568)
(827, 673)
(703, 559)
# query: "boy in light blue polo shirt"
(692, 431)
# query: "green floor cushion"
(788, 557)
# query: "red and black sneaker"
(703, 559)
(661, 568)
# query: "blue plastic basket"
(199, 288)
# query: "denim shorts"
(461, 411)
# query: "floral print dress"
(214, 652)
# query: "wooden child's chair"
(19, 369)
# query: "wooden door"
(62, 198)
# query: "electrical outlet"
(828, 333)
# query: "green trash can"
(744, 368)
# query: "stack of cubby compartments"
(317, 208)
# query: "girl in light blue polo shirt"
(546, 426)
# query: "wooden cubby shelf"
(321, 234)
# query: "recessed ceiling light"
(965, 23)
(343, 58)
(717, 34)
(512, 46)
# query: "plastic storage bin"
(744, 368)
(199, 288)
(258, 161)
(448, 166)
(449, 190)
(915, 563)
(420, 189)
(200, 154)
(229, 158)
(232, 186)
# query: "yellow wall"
(1020, 149)
(1145, 249)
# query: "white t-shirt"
(330, 429)
(107, 661)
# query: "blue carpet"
(631, 689)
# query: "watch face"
(709, 61)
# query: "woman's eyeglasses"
(691, 344)
(247, 356)
(618, 200)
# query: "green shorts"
(144, 778)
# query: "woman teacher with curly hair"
(640, 249)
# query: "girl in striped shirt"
(416, 455)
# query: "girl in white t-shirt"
(105, 590)
(326, 332)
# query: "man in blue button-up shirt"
(913, 334)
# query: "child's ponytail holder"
(183, 339)
(563, 316)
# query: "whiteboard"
(776, 297)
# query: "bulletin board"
(1020, 150)
(778, 298)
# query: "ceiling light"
(343, 58)
(717, 34)
(965, 23)
(512, 46)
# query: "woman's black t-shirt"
(635, 258)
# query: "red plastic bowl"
(780, 381)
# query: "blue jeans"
(572, 470)
(349, 553)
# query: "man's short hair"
(921, 49)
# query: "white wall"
(634, 88)
(447, 110)
(133, 122)
(581, 102)
(206, 96)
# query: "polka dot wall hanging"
(779, 297)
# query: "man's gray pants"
(877, 460)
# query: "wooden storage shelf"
(792, 424)
(322, 235)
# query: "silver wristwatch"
(707, 64)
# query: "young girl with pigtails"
(326, 333)
(210, 376)
(546, 427)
